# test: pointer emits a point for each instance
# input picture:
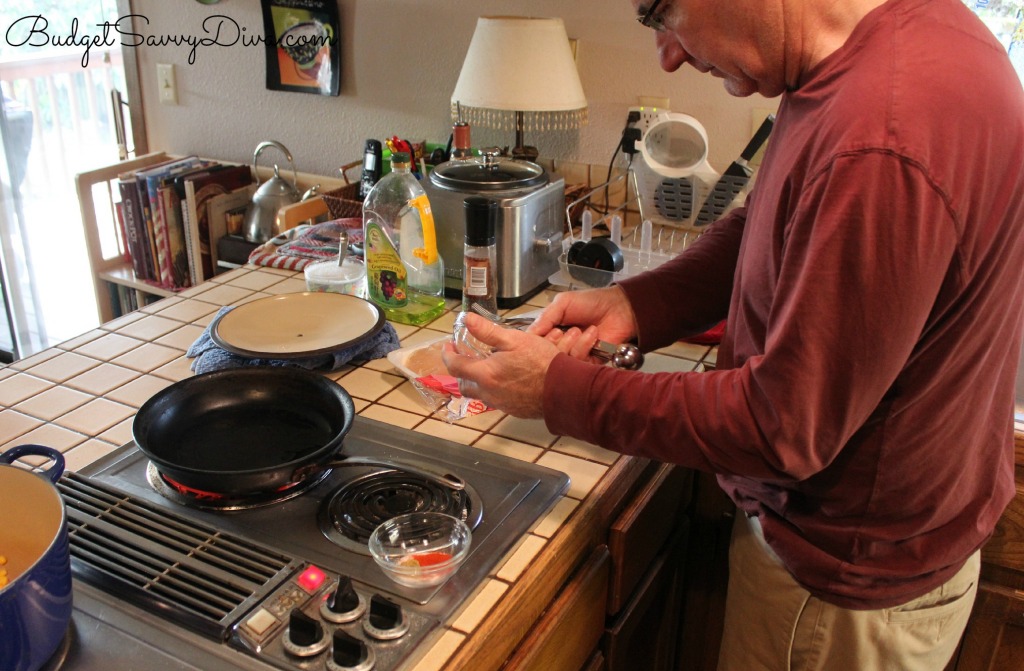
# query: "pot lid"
(488, 173)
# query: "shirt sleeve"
(853, 273)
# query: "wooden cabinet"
(994, 638)
(565, 637)
(620, 609)
(648, 549)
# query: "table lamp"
(520, 73)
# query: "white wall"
(400, 62)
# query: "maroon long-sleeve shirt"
(874, 285)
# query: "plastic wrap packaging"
(423, 366)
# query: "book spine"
(171, 205)
(190, 223)
(148, 246)
(160, 240)
(133, 228)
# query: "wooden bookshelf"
(118, 290)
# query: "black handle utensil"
(734, 178)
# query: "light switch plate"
(166, 84)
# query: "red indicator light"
(311, 579)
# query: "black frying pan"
(245, 430)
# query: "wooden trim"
(133, 84)
(568, 634)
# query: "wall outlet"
(166, 84)
(659, 102)
(647, 117)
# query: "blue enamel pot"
(35, 599)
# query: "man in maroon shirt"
(861, 411)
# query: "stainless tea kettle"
(271, 196)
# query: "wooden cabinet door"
(643, 528)
(645, 634)
(994, 639)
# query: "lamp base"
(525, 153)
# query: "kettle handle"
(280, 147)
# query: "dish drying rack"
(644, 243)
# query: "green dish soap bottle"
(404, 272)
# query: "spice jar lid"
(488, 173)
(481, 214)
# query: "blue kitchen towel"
(209, 356)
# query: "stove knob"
(386, 621)
(350, 654)
(305, 636)
(343, 604)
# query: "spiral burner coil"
(352, 511)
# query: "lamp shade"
(520, 64)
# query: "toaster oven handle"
(547, 243)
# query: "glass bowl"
(420, 549)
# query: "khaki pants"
(774, 624)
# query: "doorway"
(57, 120)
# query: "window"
(1006, 20)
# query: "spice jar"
(480, 271)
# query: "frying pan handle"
(53, 473)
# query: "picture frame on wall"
(303, 46)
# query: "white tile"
(531, 431)
(223, 294)
(109, 346)
(458, 434)
(63, 366)
(509, 447)
(34, 360)
(176, 370)
(584, 450)
(436, 659)
(19, 386)
(101, 379)
(583, 475)
(257, 281)
(52, 403)
(95, 417)
(182, 338)
(88, 336)
(369, 384)
(292, 285)
(139, 390)
(188, 311)
(148, 357)
(480, 606)
(120, 433)
(50, 435)
(80, 456)
(521, 558)
(381, 413)
(120, 322)
(549, 525)
(149, 327)
(14, 424)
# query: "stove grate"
(191, 573)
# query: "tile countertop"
(81, 397)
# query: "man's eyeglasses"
(649, 20)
